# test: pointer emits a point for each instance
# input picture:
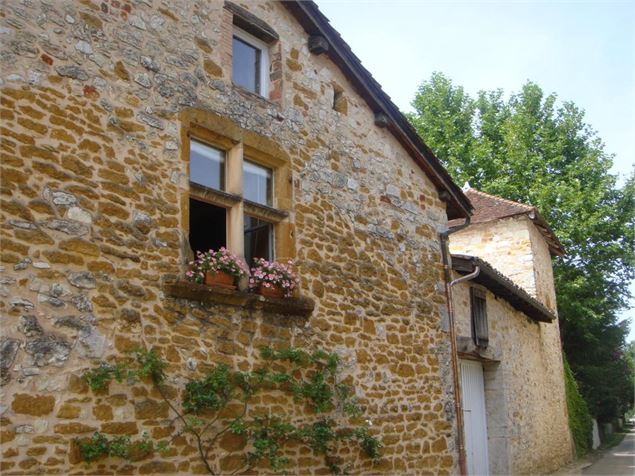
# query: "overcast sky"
(584, 51)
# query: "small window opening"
(250, 62)
(246, 65)
(479, 317)
(208, 226)
(258, 239)
(340, 104)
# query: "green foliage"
(148, 364)
(309, 377)
(212, 392)
(269, 434)
(99, 377)
(100, 446)
(612, 440)
(529, 149)
(580, 422)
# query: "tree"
(530, 149)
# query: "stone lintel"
(249, 22)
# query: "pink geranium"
(271, 274)
(216, 261)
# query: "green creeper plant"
(310, 377)
(580, 422)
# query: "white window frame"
(264, 58)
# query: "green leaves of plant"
(212, 392)
(309, 376)
(146, 364)
(121, 446)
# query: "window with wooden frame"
(253, 51)
(478, 306)
(232, 200)
(250, 62)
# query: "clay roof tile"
(489, 208)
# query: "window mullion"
(234, 185)
(234, 170)
(235, 235)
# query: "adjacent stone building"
(509, 340)
(130, 130)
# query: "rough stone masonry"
(94, 197)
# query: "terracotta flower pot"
(219, 279)
(271, 292)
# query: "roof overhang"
(489, 208)
(315, 23)
(555, 247)
(502, 286)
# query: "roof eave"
(553, 242)
(315, 23)
(503, 287)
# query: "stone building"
(137, 131)
(508, 340)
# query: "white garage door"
(474, 419)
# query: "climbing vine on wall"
(580, 422)
(202, 414)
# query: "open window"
(232, 199)
(208, 220)
(478, 305)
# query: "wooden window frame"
(478, 317)
(264, 66)
(239, 146)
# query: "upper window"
(479, 317)
(250, 62)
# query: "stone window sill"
(293, 306)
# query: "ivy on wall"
(580, 422)
(334, 417)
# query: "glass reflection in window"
(257, 183)
(258, 239)
(207, 165)
(246, 65)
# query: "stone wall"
(94, 207)
(543, 268)
(506, 244)
(524, 392)
(527, 423)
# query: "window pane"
(257, 183)
(208, 226)
(258, 239)
(246, 65)
(207, 166)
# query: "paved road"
(619, 460)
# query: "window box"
(294, 306)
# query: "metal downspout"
(447, 271)
(467, 277)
